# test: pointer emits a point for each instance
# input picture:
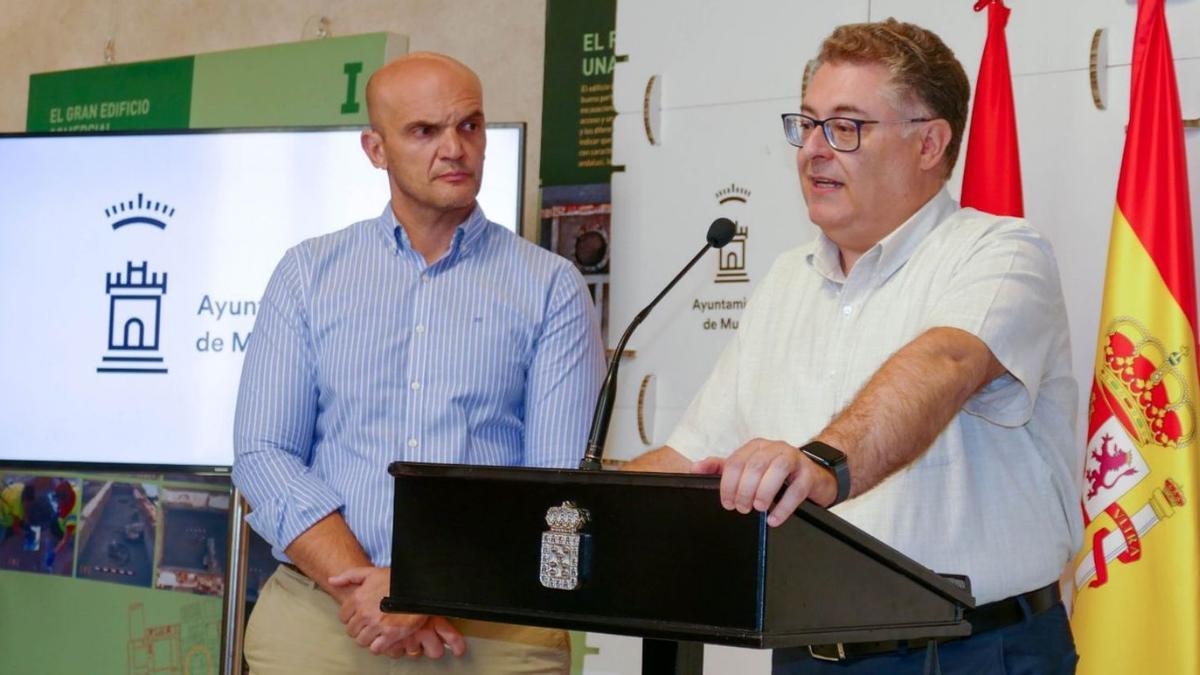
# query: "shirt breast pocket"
(492, 346)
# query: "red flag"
(992, 175)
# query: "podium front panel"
(471, 540)
(664, 560)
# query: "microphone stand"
(608, 393)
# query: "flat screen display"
(132, 266)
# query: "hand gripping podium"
(651, 555)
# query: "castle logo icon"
(134, 319)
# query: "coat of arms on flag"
(1139, 399)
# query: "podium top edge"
(508, 473)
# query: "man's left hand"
(432, 641)
(761, 471)
(360, 612)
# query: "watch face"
(834, 461)
(827, 454)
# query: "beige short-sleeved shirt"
(994, 497)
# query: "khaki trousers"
(294, 629)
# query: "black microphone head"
(721, 232)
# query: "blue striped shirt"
(362, 354)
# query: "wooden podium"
(660, 559)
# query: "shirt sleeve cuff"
(281, 519)
(1007, 400)
(1004, 401)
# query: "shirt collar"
(826, 259)
(466, 235)
(891, 252)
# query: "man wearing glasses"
(910, 368)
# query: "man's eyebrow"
(421, 123)
(846, 108)
(474, 115)
(842, 109)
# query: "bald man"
(427, 334)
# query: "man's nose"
(452, 144)
(816, 145)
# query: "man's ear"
(372, 145)
(935, 138)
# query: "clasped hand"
(392, 634)
(761, 471)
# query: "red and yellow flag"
(1137, 579)
(992, 172)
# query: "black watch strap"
(833, 461)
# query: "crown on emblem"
(566, 518)
(1165, 500)
(734, 191)
(1173, 493)
(1148, 385)
(143, 211)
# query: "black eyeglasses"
(843, 133)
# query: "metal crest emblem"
(565, 548)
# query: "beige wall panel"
(503, 40)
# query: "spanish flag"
(1137, 578)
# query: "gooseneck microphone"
(719, 233)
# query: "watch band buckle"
(836, 656)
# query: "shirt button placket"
(844, 328)
(418, 352)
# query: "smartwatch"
(833, 461)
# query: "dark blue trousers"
(1039, 645)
